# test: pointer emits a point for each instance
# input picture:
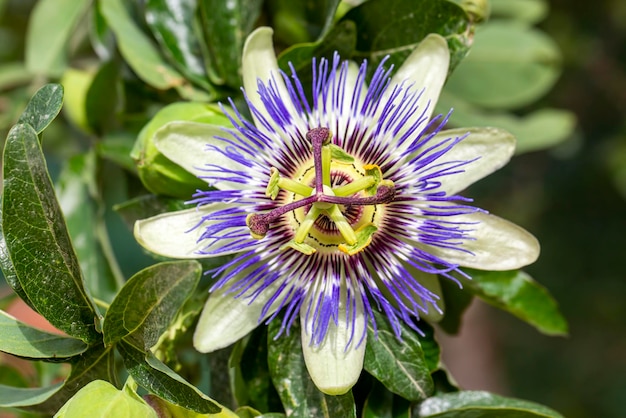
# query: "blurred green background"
(571, 197)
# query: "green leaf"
(399, 365)
(511, 65)
(37, 240)
(146, 206)
(20, 397)
(102, 99)
(148, 302)
(13, 74)
(517, 293)
(102, 399)
(250, 373)
(383, 404)
(528, 11)
(97, 363)
(142, 55)
(159, 379)
(299, 395)
(456, 301)
(172, 24)
(77, 194)
(49, 30)
(43, 107)
(481, 404)
(22, 340)
(297, 21)
(226, 25)
(396, 27)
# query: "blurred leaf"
(100, 35)
(103, 97)
(399, 365)
(38, 242)
(116, 147)
(97, 363)
(172, 24)
(49, 29)
(538, 130)
(159, 379)
(76, 190)
(383, 404)
(76, 83)
(517, 293)
(297, 21)
(481, 404)
(142, 56)
(300, 396)
(43, 107)
(148, 302)
(396, 27)
(529, 11)
(226, 26)
(510, 65)
(170, 410)
(456, 301)
(248, 364)
(13, 74)
(102, 399)
(22, 340)
(19, 397)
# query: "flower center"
(333, 203)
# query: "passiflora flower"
(334, 206)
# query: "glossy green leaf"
(156, 377)
(517, 293)
(399, 365)
(20, 397)
(299, 395)
(541, 129)
(396, 27)
(22, 340)
(141, 54)
(226, 26)
(477, 404)
(43, 107)
(172, 23)
(37, 240)
(97, 363)
(148, 302)
(102, 399)
(49, 29)
(510, 65)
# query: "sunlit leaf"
(22, 340)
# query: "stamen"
(356, 186)
(342, 224)
(277, 182)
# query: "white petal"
(491, 148)
(498, 245)
(185, 143)
(225, 318)
(426, 68)
(259, 64)
(334, 366)
(174, 234)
